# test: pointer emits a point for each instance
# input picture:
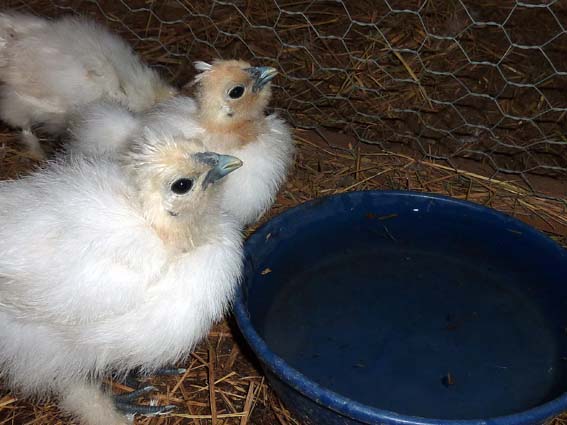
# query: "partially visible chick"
(229, 115)
(50, 68)
(112, 265)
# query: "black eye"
(181, 186)
(236, 92)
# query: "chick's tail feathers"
(101, 128)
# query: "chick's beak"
(222, 165)
(262, 75)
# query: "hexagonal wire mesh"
(450, 79)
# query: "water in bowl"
(418, 333)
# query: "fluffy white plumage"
(101, 129)
(103, 267)
(50, 68)
(251, 191)
(237, 127)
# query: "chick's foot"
(125, 403)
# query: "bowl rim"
(351, 408)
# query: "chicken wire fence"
(449, 79)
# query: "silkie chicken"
(50, 68)
(113, 266)
(228, 114)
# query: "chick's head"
(232, 91)
(176, 177)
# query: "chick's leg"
(32, 143)
(91, 406)
(134, 378)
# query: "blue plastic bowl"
(407, 308)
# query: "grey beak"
(222, 165)
(262, 75)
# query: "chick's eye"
(236, 92)
(181, 186)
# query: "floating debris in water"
(448, 380)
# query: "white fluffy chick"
(228, 114)
(50, 68)
(112, 265)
